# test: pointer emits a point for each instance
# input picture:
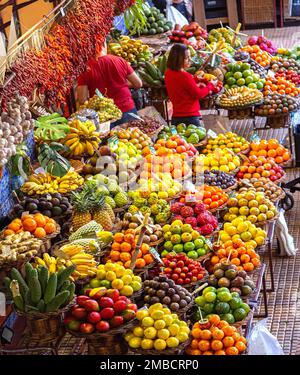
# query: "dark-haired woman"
(182, 88)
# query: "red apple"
(180, 264)
(91, 305)
(102, 326)
(114, 294)
(123, 298)
(107, 313)
(86, 328)
(116, 321)
(120, 306)
(80, 300)
(79, 313)
(128, 315)
(94, 317)
(132, 306)
(177, 270)
(185, 269)
(175, 276)
(106, 302)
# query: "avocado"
(31, 207)
(56, 211)
(47, 213)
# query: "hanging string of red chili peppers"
(68, 47)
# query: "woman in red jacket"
(182, 88)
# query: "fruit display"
(190, 133)
(82, 138)
(165, 291)
(128, 155)
(38, 224)
(220, 159)
(153, 232)
(114, 195)
(226, 274)
(100, 312)
(216, 337)
(223, 34)
(289, 54)
(123, 247)
(114, 276)
(150, 203)
(263, 58)
(105, 107)
(262, 184)
(153, 73)
(187, 34)
(133, 135)
(15, 124)
(289, 75)
(235, 255)
(263, 43)
(220, 179)
(270, 149)
(255, 206)
(132, 50)
(280, 86)
(220, 301)
(229, 140)
(39, 184)
(19, 247)
(148, 125)
(279, 65)
(182, 269)
(50, 205)
(40, 291)
(239, 228)
(275, 104)
(182, 238)
(261, 167)
(213, 197)
(240, 97)
(241, 74)
(175, 144)
(158, 329)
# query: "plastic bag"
(262, 342)
(174, 16)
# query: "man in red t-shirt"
(113, 77)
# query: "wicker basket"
(43, 328)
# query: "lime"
(136, 286)
(147, 322)
(138, 332)
(247, 73)
(178, 248)
(95, 283)
(141, 314)
(168, 319)
(235, 295)
(159, 324)
(201, 252)
(252, 86)
(164, 253)
(231, 81)
(188, 246)
(229, 318)
(256, 77)
(101, 274)
(241, 82)
(228, 75)
(237, 67)
(246, 66)
(200, 301)
(174, 329)
(238, 75)
(210, 289)
(163, 334)
(224, 296)
(259, 85)
(210, 297)
(157, 314)
(248, 80)
(105, 283)
(182, 336)
(239, 314)
(208, 308)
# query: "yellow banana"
(73, 146)
(70, 136)
(84, 262)
(71, 250)
(89, 148)
(47, 259)
(40, 261)
(69, 142)
(82, 268)
(82, 128)
(82, 256)
(52, 268)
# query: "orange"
(50, 228)
(194, 344)
(17, 221)
(206, 334)
(279, 159)
(232, 351)
(218, 334)
(127, 264)
(8, 232)
(124, 257)
(214, 319)
(255, 262)
(14, 226)
(245, 258)
(145, 248)
(148, 258)
(236, 261)
(223, 324)
(220, 352)
(280, 150)
(24, 217)
(140, 263)
(119, 237)
(243, 339)
(286, 156)
(228, 341)
(229, 330)
(193, 352)
(40, 220)
(125, 246)
(217, 345)
(214, 260)
(116, 246)
(29, 225)
(196, 332)
(248, 267)
(40, 232)
(129, 238)
(236, 336)
(114, 255)
(241, 347)
(208, 352)
(203, 345)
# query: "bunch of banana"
(46, 183)
(82, 138)
(132, 50)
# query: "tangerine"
(40, 232)
(49, 228)
(29, 225)
(204, 345)
(217, 345)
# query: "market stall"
(145, 238)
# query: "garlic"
(6, 133)
(3, 142)
(11, 139)
(13, 130)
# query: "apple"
(187, 280)
(91, 305)
(120, 306)
(68, 319)
(74, 325)
(94, 317)
(132, 306)
(116, 321)
(123, 298)
(86, 328)
(175, 277)
(79, 313)
(180, 264)
(80, 300)
(185, 269)
(114, 294)
(128, 315)
(177, 270)
(102, 326)
(107, 313)
(106, 302)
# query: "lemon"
(166, 311)
(174, 329)
(117, 284)
(231, 230)
(136, 286)
(172, 342)
(141, 314)
(159, 324)
(224, 236)
(242, 227)
(127, 279)
(168, 319)
(185, 330)
(138, 331)
(128, 336)
(101, 274)
(163, 334)
(147, 344)
(160, 344)
(137, 278)
(259, 240)
(235, 237)
(182, 336)
(110, 267)
(150, 333)
(148, 322)
(224, 168)
(156, 306)
(110, 275)
(120, 271)
(101, 267)
(126, 291)
(234, 210)
(157, 314)
(128, 272)
(135, 342)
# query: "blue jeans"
(125, 118)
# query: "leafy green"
(52, 161)
(51, 127)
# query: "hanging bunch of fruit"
(132, 50)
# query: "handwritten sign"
(155, 254)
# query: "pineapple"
(86, 231)
(81, 209)
(121, 199)
(102, 212)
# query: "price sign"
(212, 134)
(40, 170)
(190, 198)
(152, 150)
(173, 131)
(98, 93)
(113, 142)
(155, 255)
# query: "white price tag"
(212, 134)
(271, 74)
(156, 256)
(40, 170)
(2, 304)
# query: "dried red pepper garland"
(68, 47)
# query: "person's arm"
(82, 93)
(194, 91)
(134, 81)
